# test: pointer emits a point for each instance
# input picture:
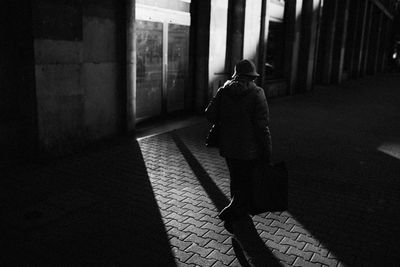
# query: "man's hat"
(245, 67)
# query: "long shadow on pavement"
(94, 209)
(342, 190)
(342, 148)
(249, 248)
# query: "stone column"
(340, 40)
(379, 43)
(351, 40)
(262, 55)
(199, 51)
(218, 36)
(360, 38)
(386, 44)
(252, 27)
(292, 42)
(373, 42)
(383, 44)
(308, 44)
(130, 65)
(367, 43)
(236, 15)
(329, 27)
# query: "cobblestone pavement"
(154, 202)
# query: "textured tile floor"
(154, 201)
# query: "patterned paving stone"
(287, 259)
(267, 236)
(181, 255)
(197, 240)
(174, 232)
(224, 258)
(179, 244)
(299, 253)
(179, 225)
(317, 258)
(198, 260)
(216, 236)
(308, 239)
(143, 202)
(317, 250)
(278, 247)
(221, 247)
(302, 263)
(292, 243)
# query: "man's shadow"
(249, 248)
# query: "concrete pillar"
(236, 15)
(218, 45)
(379, 43)
(292, 41)
(121, 64)
(351, 40)
(393, 33)
(308, 44)
(130, 65)
(374, 41)
(200, 51)
(383, 44)
(383, 47)
(375, 44)
(386, 44)
(252, 27)
(262, 55)
(330, 16)
(360, 38)
(340, 40)
(367, 40)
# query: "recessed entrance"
(162, 45)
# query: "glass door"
(178, 62)
(149, 76)
(162, 52)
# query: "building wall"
(77, 69)
(18, 131)
(67, 70)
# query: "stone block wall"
(78, 69)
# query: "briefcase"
(270, 188)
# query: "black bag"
(270, 188)
(212, 139)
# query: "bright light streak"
(391, 149)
